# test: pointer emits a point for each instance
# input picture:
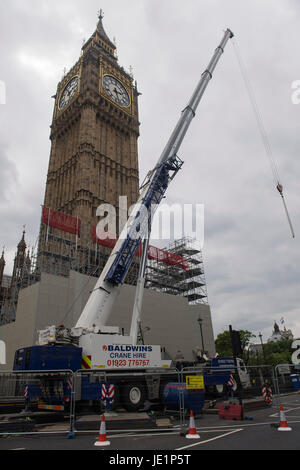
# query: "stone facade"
(94, 151)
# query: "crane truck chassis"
(108, 351)
(132, 387)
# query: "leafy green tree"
(274, 353)
(223, 344)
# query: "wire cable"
(262, 130)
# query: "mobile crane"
(105, 347)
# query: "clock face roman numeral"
(116, 91)
(69, 92)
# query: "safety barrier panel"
(244, 386)
(287, 379)
(26, 395)
(120, 394)
(133, 400)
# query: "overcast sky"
(252, 264)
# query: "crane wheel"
(133, 396)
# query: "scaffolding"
(10, 293)
(57, 255)
(188, 280)
(61, 253)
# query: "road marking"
(220, 428)
(287, 410)
(142, 435)
(152, 434)
(209, 440)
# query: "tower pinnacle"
(22, 243)
(101, 31)
(2, 266)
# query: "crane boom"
(99, 305)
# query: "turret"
(28, 261)
(20, 260)
(2, 266)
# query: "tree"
(223, 344)
(274, 353)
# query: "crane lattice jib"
(158, 184)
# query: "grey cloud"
(8, 175)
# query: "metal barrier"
(258, 383)
(287, 378)
(121, 395)
(159, 393)
(29, 392)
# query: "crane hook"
(280, 190)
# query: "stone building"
(10, 285)
(94, 150)
(279, 334)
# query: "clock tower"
(94, 145)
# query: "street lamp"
(200, 321)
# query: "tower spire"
(22, 243)
(101, 31)
(2, 266)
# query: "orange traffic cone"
(102, 441)
(192, 434)
(283, 422)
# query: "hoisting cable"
(262, 130)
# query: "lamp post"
(200, 321)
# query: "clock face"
(69, 92)
(116, 91)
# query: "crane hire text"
(128, 351)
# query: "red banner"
(109, 242)
(61, 221)
(154, 253)
(167, 257)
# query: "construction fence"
(30, 401)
